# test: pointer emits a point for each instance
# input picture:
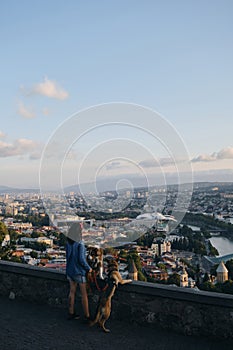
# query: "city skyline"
(173, 58)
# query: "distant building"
(19, 225)
(162, 227)
(45, 240)
(227, 195)
(191, 283)
(184, 282)
(11, 210)
(156, 273)
(19, 253)
(6, 241)
(222, 273)
(160, 246)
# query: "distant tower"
(133, 272)
(184, 282)
(222, 273)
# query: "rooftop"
(221, 267)
(28, 325)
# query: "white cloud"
(204, 158)
(25, 144)
(151, 163)
(25, 112)
(113, 165)
(2, 135)
(225, 153)
(19, 147)
(50, 89)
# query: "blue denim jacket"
(76, 263)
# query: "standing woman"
(76, 269)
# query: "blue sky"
(59, 57)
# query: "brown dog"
(95, 260)
(104, 307)
(114, 274)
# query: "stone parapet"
(184, 310)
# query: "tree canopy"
(3, 231)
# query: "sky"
(62, 57)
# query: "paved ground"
(25, 326)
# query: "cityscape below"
(158, 234)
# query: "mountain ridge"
(102, 188)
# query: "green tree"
(36, 246)
(110, 250)
(34, 254)
(162, 266)
(136, 258)
(15, 259)
(206, 278)
(205, 232)
(227, 287)
(141, 276)
(3, 231)
(5, 253)
(212, 250)
(213, 270)
(36, 234)
(174, 279)
(229, 266)
(62, 240)
(13, 236)
(123, 254)
(208, 286)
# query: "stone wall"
(183, 310)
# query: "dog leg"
(106, 311)
(125, 281)
(96, 318)
(119, 279)
(102, 322)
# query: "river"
(222, 244)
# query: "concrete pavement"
(25, 326)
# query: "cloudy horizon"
(173, 58)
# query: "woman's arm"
(82, 257)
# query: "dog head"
(94, 256)
(94, 251)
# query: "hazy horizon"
(174, 58)
(109, 185)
